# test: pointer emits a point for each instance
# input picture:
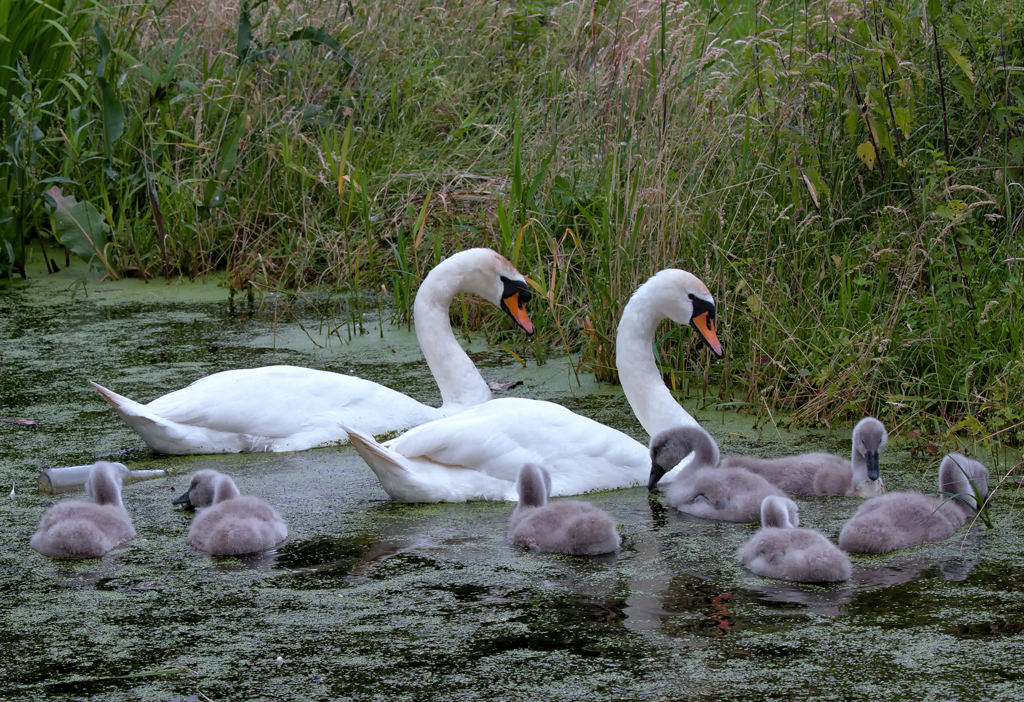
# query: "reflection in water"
(832, 600)
(262, 561)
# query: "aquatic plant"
(38, 39)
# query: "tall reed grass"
(856, 215)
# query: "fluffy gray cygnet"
(227, 523)
(726, 494)
(80, 529)
(899, 520)
(782, 551)
(567, 526)
(811, 474)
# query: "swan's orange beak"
(513, 306)
(704, 324)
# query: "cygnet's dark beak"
(182, 500)
(872, 461)
(657, 472)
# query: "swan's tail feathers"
(396, 475)
(161, 435)
(118, 402)
(376, 455)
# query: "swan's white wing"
(498, 437)
(283, 401)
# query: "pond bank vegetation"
(845, 176)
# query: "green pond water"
(374, 600)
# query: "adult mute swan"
(812, 474)
(79, 529)
(228, 523)
(782, 551)
(701, 489)
(567, 526)
(477, 455)
(899, 520)
(286, 408)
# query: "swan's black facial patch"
(513, 301)
(703, 320)
(516, 286)
(701, 306)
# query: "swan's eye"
(692, 296)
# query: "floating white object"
(55, 480)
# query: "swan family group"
(474, 447)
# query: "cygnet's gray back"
(728, 495)
(567, 526)
(818, 474)
(232, 524)
(79, 529)
(670, 446)
(782, 551)
(900, 520)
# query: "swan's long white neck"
(651, 401)
(458, 379)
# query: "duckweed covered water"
(373, 600)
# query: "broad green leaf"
(963, 86)
(961, 27)
(113, 116)
(1017, 149)
(934, 10)
(214, 194)
(319, 36)
(880, 131)
(896, 23)
(316, 36)
(890, 62)
(852, 121)
(244, 32)
(963, 62)
(866, 153)
(902, 115)
(863, 31)
(80, 227)
(104, 45)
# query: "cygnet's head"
(670, 446)
(104, 483)
(779, 512)
(956, 475)
(533, 485)
(869, 438)
(208, 487)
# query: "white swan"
(701, 489)
(782, 551)
(899, 520)
(228, 523)
(286, 408)
(477, 455)
(811, 474)
(568, 526)
(79, 529)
